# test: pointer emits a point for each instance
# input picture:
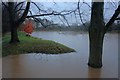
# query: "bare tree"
(14, 24)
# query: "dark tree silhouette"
(15, 22)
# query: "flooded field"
(69, 65)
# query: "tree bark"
(96, 35)
(14, 35)
(96, 49)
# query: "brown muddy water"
(72, 65)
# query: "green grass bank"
(32, 45)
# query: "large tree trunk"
(96, 47)
(14, 35)
(96, 35)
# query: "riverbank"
(32, 45)
(71, 29)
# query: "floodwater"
(72, 65)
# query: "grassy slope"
(32, 45)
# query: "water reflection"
(16, 65)
(72, 65)
(0, 67)
(94, 73)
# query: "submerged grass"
(32, 45)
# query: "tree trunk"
(96, 35)
(14, 35)
(96, 47)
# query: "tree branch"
(76, 18)
(87, 4)
(118, 18)
(39, 20)
(18, 5)
(5, 6)
(65, 20)
(61, 20)
(80, 14)
(52, 13)
(23, 10)
(113, 18)
(38, 7)
(41, 15)
(19, 21)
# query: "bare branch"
(87, 4)
(61, 20)
(66, 12)
(52, 13)
(23, 10)
(39, 20)
(38, 7)
(80, 14)
(41, 15)
(65, 20)
(19, 21)
(5, 5)
(113, 18)
(18, 5)
(76, 18)
(113, 4)
(118, 18)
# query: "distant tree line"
(73, 27)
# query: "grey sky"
(60, 6)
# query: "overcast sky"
(60, 6)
